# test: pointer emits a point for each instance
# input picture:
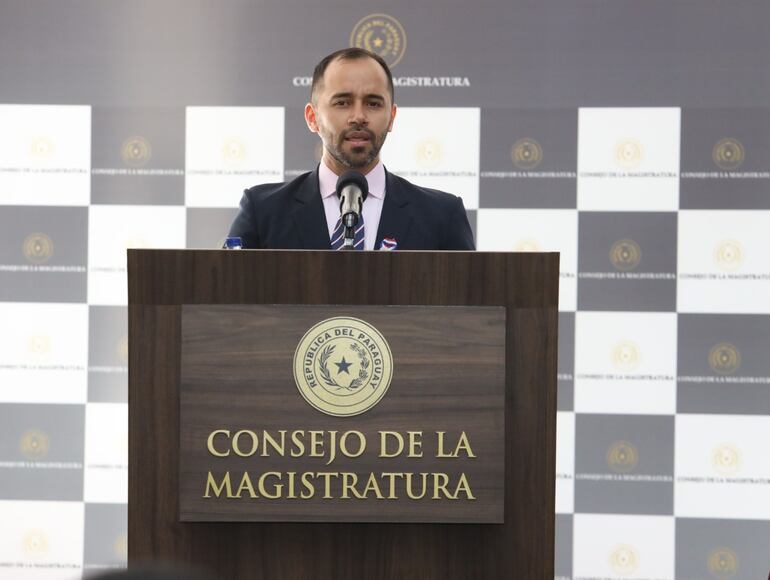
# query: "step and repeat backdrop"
(633, 139)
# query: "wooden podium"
(210, 335)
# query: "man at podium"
(352, 110)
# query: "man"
(352, 109)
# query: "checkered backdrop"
(633, 138)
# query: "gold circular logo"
(136, 151)
(136, 242)
(726, 459)
(628, 153)
(37, 248)
(724, 358)
(625, 355)
(624, 559)
(429, 152)
(35, 542)
(34, 444)
(382, 35)
(728, 153)
(234, 151)
(625, 255)
(121, 546)
(622, 457)
(728, 255)
(526, 245)
(526, 153)
(723, 563)
(42, 148)
(122, 349)
(343, 366)
(39, 344)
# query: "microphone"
(352, 189)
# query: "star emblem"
(378, 42)
(342, 366)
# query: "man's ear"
(310, 118)
(392, 118)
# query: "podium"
(217, 341)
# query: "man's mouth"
(358, 138)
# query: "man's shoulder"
(275, 192)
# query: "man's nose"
(358, 114)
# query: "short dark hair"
(352, 53)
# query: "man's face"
(353, 113)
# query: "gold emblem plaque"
(343, 366)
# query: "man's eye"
(375, 104)
(339, 103)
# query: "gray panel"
(722, 549)
(519, 148)
(563, 547)
(207, 227)
(106, 527)
(108, 354)
(723, 153)
(41, 452)
(722, 364)
(646, 280)
(302, 148)
(550, 53)
(43, 254)
(137, 155)
(624, 464)
(566, 364)
(472, 215)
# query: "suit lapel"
(309, 216)
(395, 218)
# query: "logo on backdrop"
(343, 366)
(628, 153)
(39, 344)
(233, 151)
(35, 542)
(37, 248)
(526, 153)
(430, 152)
(724, 358)
(728, 153)
(381, 34)
(42, 148)
(625, 355)
(527, 245)
(122, 349)
(728, 255)
(622, 457)
(624, 559)
(723, 563)
(34, 444)
(726, 459)
(121, 546)
(136, 151)
(625, 255)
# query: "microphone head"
(353, 178)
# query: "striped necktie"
(338, 237)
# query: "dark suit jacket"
(291, 216)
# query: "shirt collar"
(327, 180)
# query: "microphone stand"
(350, 220)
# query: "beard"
(358, 157)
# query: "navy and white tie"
(338, 237)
